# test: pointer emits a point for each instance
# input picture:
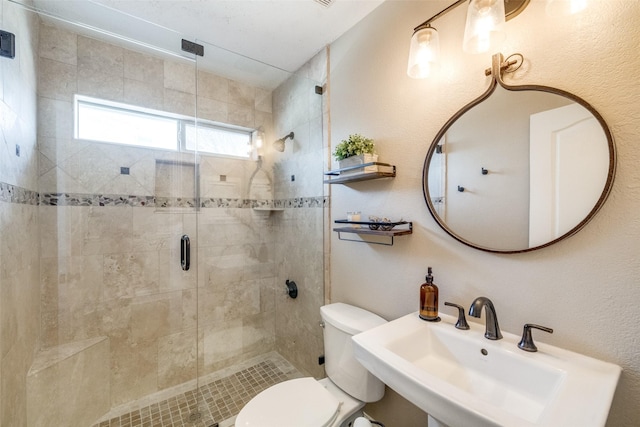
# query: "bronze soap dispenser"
(429, 299)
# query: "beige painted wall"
(585, 287)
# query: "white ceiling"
(281, 33)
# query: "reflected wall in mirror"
(519, 168)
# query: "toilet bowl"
(303, 402)
(362, 422)
(334, 401)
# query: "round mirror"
(519, 168)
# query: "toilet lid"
(302, 402)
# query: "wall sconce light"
(484, 27)
(257, 143)
(259, 139)
(424, 52)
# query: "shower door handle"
(185, 252)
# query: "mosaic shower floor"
(221, 397)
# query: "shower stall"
(164, 232)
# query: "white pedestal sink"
(462, 379)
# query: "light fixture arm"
(512, 8)
(499, 65)
(444, 11)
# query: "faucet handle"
(526, 343)
(462, 321)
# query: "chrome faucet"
(492, 330)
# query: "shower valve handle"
(291, 289)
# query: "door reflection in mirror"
(549, 159)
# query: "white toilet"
(335, 401)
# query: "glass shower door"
(260, 224)
(237, 271)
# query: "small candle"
(354, 216)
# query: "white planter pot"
(359, 160)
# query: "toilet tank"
(341, 322)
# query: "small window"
(110, 122)
(217, 140)
(118, 124)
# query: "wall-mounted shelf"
(399, 228)
(358, 173)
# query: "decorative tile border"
(302, 202)
(13, 194)
(78, 199)
(67, 199)
(210, 202)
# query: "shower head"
(278, 145)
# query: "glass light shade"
(259, 139)
(423, 53)
(565, 7)
(485, 25)
(255, 148)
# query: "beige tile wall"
(19, 263)
(95, 68)
(68, 385)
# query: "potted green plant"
(355, 150)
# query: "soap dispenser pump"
(429, 299)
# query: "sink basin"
(462, 379)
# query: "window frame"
(182, 121)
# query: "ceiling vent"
(325, 3)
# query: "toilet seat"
(303, 402)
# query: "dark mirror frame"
(500, 66)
